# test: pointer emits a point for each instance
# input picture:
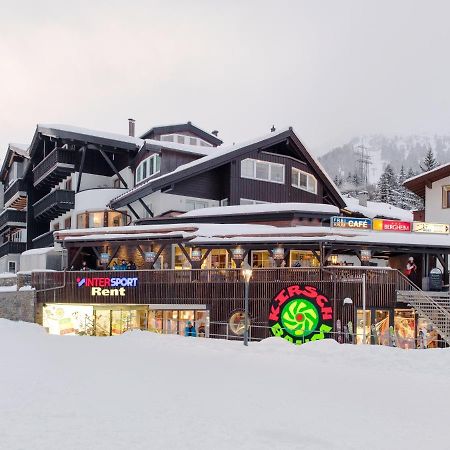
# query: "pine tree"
(429, 162)
(402, 198)
(387, 187)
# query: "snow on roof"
(38, 251)
(20, 149)
(262, 208)
(429, 172)
(46, 128)
(378, 209)
(185, 148)
(247, 233)
(220, 151)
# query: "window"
(12, 266)
(196, 204)
(96, 219)
(67, 223)
(445, 196)
(82, 220)
(117, 183)
(69, 184)
(148, 167)
(224, 202)
(115, 219)
(184, 139)
(56, 226)
(303, 180)
(247, 201)
(262, 170)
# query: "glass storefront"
(109, 320)
(404, 327)
(363, 328)
(303, 258)
(427, 336)
(381, 325)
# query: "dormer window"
(184, 139)
(148, 168)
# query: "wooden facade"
(222, 291)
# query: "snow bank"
(143, 390)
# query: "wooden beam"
(80, 170)
(113, 254)
(75, 256)
(112, 166)
(158, 253)
(185, 253)
(133, 211)
(146, 207)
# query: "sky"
(331, 69)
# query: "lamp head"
(247, 274)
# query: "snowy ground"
(146, 391)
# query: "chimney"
(215, 132)
(363, 196)
(131, 123)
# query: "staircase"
(434, 306)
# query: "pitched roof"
(62, 131)
(221, 156)
(417, 183)
(189, 126)
(13, 149)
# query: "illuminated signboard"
(426, 227)
(300, 313)
(366, 255)
(351, 222)
(391, 225)
(107, 287)
(150, 257)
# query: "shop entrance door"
(381, 324)
(102, 321)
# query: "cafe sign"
(391, 225)
(107, 286)
(351, 222)
(433, 228)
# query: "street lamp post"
(247, 274)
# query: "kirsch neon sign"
(300, 313)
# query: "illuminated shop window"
(261, 259)
(96, 219)
(361, 327)
(381, 324)
(303, 258)
(404, 327)
(303, 180)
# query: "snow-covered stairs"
(433, 306)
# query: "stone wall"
(18, 305)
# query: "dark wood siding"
(212, 185)
(272, 192)
(171, 160)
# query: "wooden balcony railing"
(11, 247)
(47, 167)
(54, 204)
(44, 240)
(18, 185)
(12, 217)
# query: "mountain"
(381, 150)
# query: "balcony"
(10, 247)
(16, 195)
(54, 168)
(53, 205)
(12, 218)
(44, 240)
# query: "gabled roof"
(417, 183)
(169, 129)
(20, 150)
(70, 132)
(222, 156)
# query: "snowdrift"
(146, 391)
